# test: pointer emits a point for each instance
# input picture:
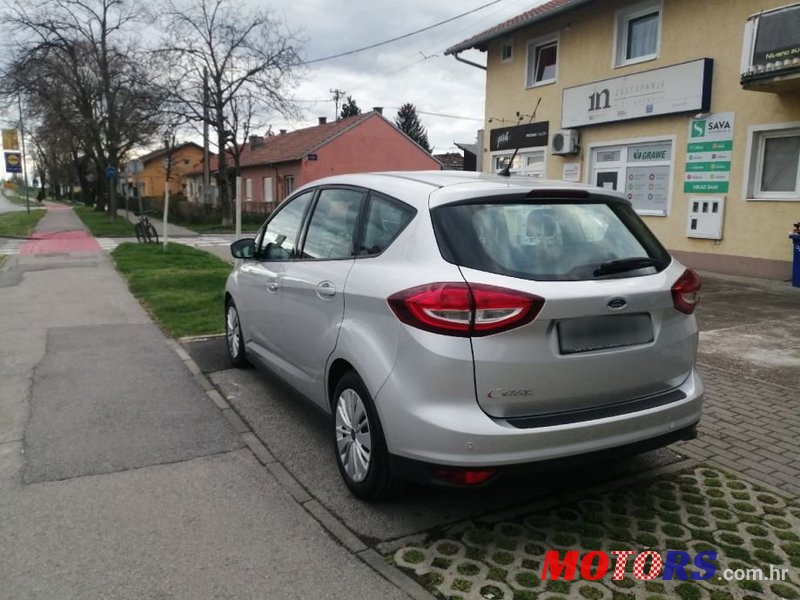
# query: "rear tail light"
(464, 310)
(464, 476)
(686, 292)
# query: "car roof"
(423, 188)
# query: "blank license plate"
(600, 333)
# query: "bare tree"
(240, 55)
(240, 123)
(78, 68)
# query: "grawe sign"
(708, 154)
(679, 88)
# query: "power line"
(401, 37)
(444, 115)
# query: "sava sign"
(708, 154)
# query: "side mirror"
(244, 248)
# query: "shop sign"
(13, 162)
(708, 154)
(10, 139)
(532, 135)
(679, 88)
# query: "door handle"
(272, 286)
(326, 289)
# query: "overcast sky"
(411, 70)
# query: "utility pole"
(206, 154)
(24, 156)
(337, 95)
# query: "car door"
(260, 280)
(313, 287)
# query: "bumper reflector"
(464, 477)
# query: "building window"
(775, 167)
(288, 185)
(266, 188)
(248, 190)
(507, 52)
(638, 33)
(542, 62)
(530, 164)
(641, 171)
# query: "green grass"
(183, 288)
(19, 223)
(100, 224)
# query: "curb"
(326, 519)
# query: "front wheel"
(234, 337)
(361, 453)
(139, 230)
(152, 234)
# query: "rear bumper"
(421, 472)
(444, 432)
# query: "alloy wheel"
(233, 331)
(353, 436)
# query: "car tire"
(234, 337)
(359, 443)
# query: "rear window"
(549, 241)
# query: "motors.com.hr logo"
(647, 565)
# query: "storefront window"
(530, 164)
(640, 171)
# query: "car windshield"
(548, 240)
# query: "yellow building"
(691, 108)
(183, 158)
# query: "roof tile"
(533, 15)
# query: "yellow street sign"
(10, 139)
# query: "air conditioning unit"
(565, 142)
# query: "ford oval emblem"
(617, 303)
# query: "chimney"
(282, 132)
(256, 141)
(378, 109)
(323, 120)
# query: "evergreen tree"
(408, 122)
(349, 108)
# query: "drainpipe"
(467, 62)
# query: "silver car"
(461, 327)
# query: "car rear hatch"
(607, 332)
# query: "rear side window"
(386, 218)
(548, 241)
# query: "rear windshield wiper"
(625, 264)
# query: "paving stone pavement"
(700, 510)
(750, 427)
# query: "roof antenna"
(506, 172)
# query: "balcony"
(771, 51)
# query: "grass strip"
(100, 224)
(19, 223)
(182, 287)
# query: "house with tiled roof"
(184, 158)
(690, 109)
(273, 166)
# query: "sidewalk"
(119, 476)
(172, 230)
